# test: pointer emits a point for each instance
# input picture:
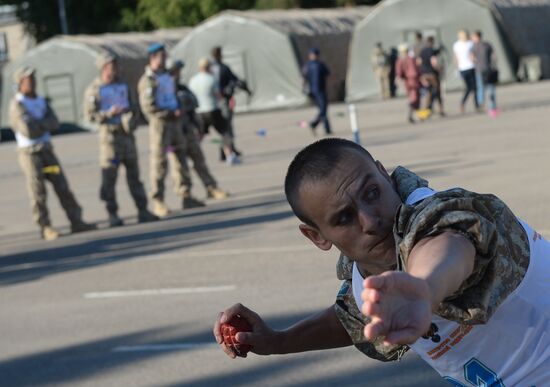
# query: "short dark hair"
(478, 33)
(430, 39)
(314, 163)
(216, 51)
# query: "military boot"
(160, 209)
(81, 226)
(145, 216)
(114, 220)
(190, 202)
(48, 233)
(216, 193)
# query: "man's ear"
(315, 236)
(382, 170)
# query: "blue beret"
(154, 47)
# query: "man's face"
(27, 85)
(157, 61)
(475, 38)
(354, 210)
(109, 72)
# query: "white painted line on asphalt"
(158, 292)
(162, 347)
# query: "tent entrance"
(60, 90)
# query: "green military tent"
(65, 66)
(395, 21)
(268, 49)
(526, 26)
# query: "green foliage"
(276, 4)
(175, 13)
(41, 17)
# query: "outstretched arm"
(320, 331)
(401, 304)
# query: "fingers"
(374, 329)
(370, 308)
(240, 310)
(404, 336)
(380, 282)
(371, 295)
(217, 331)
(229, 351)
(245, 338)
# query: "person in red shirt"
(407, 72)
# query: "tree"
(176, 13)
(41, 17)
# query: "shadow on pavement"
(91, 359)
(135, 241)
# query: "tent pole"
(63, 17)
(353, 122)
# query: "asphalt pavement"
(135, 305)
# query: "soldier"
(452, 275)
(158, 101)
(107, 102)
(381, 65)
(188, 103)
(32, 120)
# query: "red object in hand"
(230, 329)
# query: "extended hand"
(262, 338)
(399, 306)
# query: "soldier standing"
(32, 120)
(188, 103)
(159, 103)
(107, 102)
(381, 65)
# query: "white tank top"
(513, 348)
(36, 108)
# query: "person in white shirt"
(464, 61)
(206, 89)
(32, 120)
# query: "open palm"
(399, 306)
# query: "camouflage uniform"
(165, 136)
(502, 256)
(381, 66)
(193, 149)
(116, 146)
(39, 162)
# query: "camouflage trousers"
(117, 148)
(194, 152)
(165, 137)
(38, 166)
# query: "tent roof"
(127, 44)
(306, 21)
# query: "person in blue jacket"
(315, 74)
